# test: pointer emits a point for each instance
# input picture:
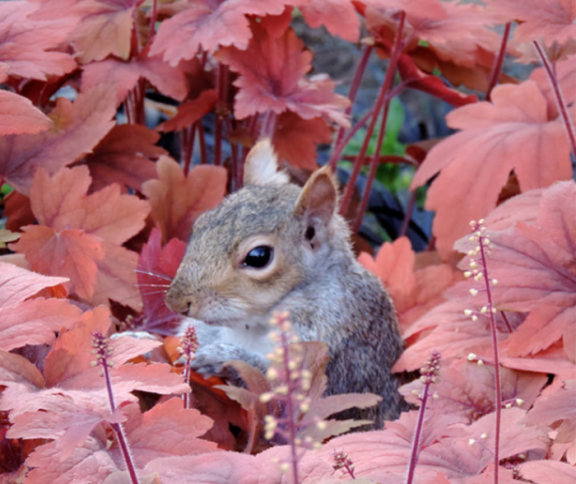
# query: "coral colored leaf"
(157, 267)
(295, 139)
(545, 471)
(78, 128)
(170, 81)
(338, 16)
(166, 430)
(102, 27)
(208, 24)
(126, 156)
(414, 292)
(521, 208)
(191, 111)
(71, 253)
(102, 221)
(17, 369)
(272, 78)
(177, 200)
(537, 271)
(565, 73)
(18, 115)
(513, 133)
(468, 389)
(552, 20)
(26, 45)
(17, 284)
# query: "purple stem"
(352, 96)
(187, 399)
(408, 214)
(153, 19)
(416, 442)
(498, 63)
(498, 402)
(383, 100)
(558, 94)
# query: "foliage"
(106, 106)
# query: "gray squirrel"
(274, 246)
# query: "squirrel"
(273, 246)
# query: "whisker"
(152, 293)
(153, 274)
(152, 285)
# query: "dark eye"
(258, 257)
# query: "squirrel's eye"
(259, 257)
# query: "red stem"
(188, 148)
(187, 399)
(352, 96)
(416, 441)
(221, 88)
(498, 402)
(153, 19)
(558, 94)
(202, 140)
(498, 63)
(408, 214)
(383, 100)
(337, 153)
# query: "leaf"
(513, 133)
(96, 264)
(521, 208)
(338, 16)
(18, 115)
(468, 389)
(17, 369)
(552, 20)
(71, 253)
(30, 322)
(272, 70)
(102, 27)
(295, 139)
(168, 80)
(126, 156)
(177, 200)
(545, 471)
(27, 46)
(207, 25)
(191, 111)
(565, 72)
(157, 267)
(78, 128)
(166, 430)
(537, 271)
(414, 292)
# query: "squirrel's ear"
(319, 197)
(261, 167)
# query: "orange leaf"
(177, 200)
(191, 111)
(18, 115)
(78, 128)
(272, 70)
(513, 133)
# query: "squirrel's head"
(248, 254)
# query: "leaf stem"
(382, 102)
(352, 97)
(558, 95)
(153, 19)
(408, 214)
(498, 62)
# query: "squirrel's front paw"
(211, 361)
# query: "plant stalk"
(498, 62)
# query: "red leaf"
(338, 16)
(157, 267)
(98, 223)
(537, 272)
(295, 139)
(552, 20)
(125, 156)
(26, 45)
(102, 27)
(177, 200)
(513, 133)
(170, 81)
(18, 115)
(207, 24)
(78, 128)
(191, 111)
(271, 78)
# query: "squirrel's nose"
(178, 302)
